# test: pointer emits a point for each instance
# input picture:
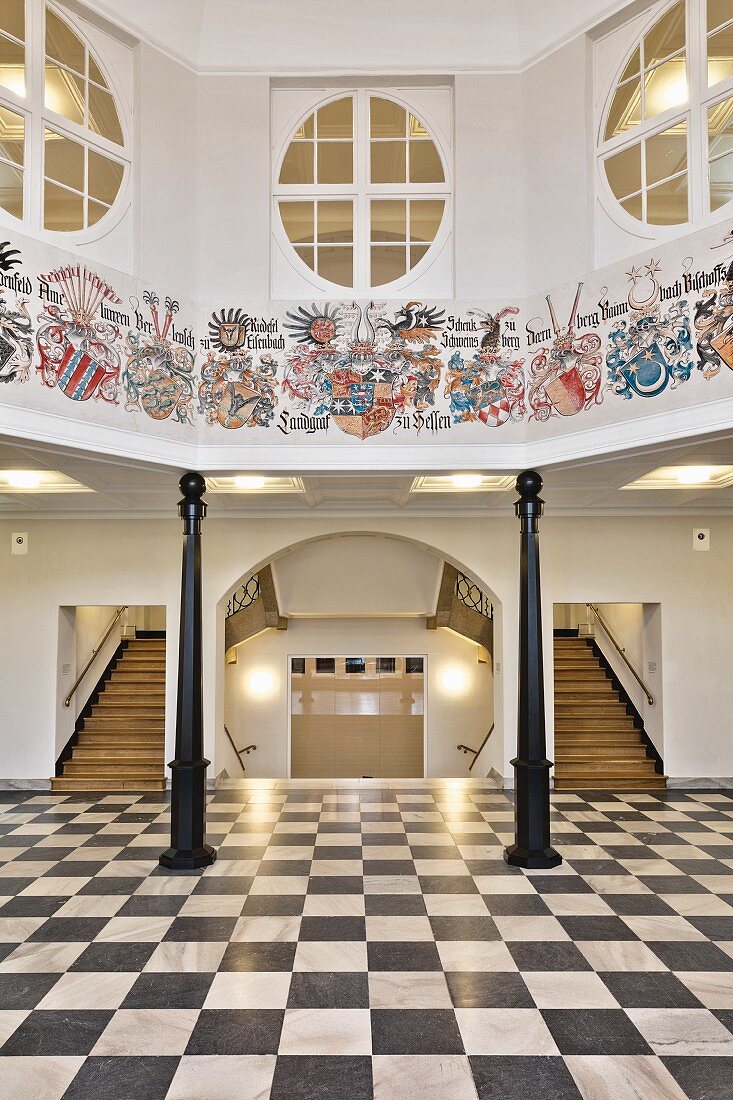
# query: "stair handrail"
(240, 752)
(116, 618)
(476, 752)
(622, 653)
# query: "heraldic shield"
(362, 405)
(79, 374)
(235, 403)
(648, 372)
(566, 392)
(160, 394)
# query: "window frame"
(694, 112)
(38, 118)
(361, 192)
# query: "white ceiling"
(279, 37)
(591, 487)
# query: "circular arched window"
(666, 140)
(63, 150)
(361, 191)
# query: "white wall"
(450, 718)
(603, 559)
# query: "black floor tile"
(22, 991)
(116, 957)
(273, 905)
(332, 928)
(485, 990)
(256, 957)
(130, 1078)
(682, 956)
(68, 929)
(649, 989)
(594, 1031)
(403, 956)
(517, 1078)
(394, 905)
(702, 1078)
(548, 956)
(164, 990)
(596, 928)
(53, 1034)
(464, 928)
(415, 1031)
(343, 1077)
(236, 1031)
(201, 929)
(329, 990)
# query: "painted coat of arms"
(158, 374)
(714, 327)
(233, 391)
(566, 378)
(16, 327)
(78, 352)
(489, 386)
(363, 374)
(654, 348)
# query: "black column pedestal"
(531, 848)
(189, 849)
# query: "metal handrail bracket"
(118, 615)
(476, 752)
(622, 653)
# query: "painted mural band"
(395, 371)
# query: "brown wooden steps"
(597, 745)
(121, 745)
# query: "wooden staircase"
(121, 743)
(597, 745)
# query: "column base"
(180, 859)
(533, 859)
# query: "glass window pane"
(336, 264)
(103, 117)
(417, 251)
(12, 65)
(425, 218)
(389, 220)
(64, 160)
(720, 55)
(633, 207)
(297, 166)
(306, 129)
(413, 665)
(62, 44)
(335, 120)
(335, 162)
(11, 189)
(625, 110)
(425, 163)
(307, 254)
(297, 218)
(95, 212)
(633, 65)
(95, 73)
(12, 18)
(388, 263)
(354, 664)
(388, 120)
(667, 203)
(666, 154)
(720, 128)
(297, 666)
(721, 181)
(105, 177)
(388, 161)
(719, 11)
(12, 132)
(326, 664)
(64, 93)
(623, 171)
(335, 222)
(665, 86)
(666, 36)
(417, 130)
(62, 210)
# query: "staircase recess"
(600, 742)
(120, 744)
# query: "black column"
(531, 767)
(188, 771)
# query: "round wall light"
(260, 683)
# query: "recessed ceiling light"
(249, 482)
(693, 475)
(22, 479)
(685, 477)
(466, 481)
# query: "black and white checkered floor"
(360, 941)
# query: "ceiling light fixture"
(249, 482)
(693, 475)
(22, 479)
(466, 481)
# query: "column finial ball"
(529, 484)
(192, 485)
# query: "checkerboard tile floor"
(366, 941)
